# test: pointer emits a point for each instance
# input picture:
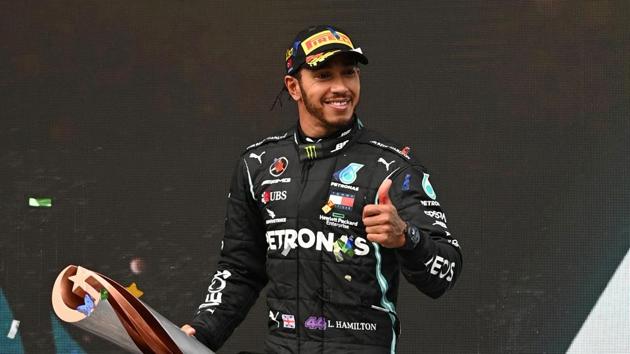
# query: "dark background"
(131, 115)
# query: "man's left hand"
(382, 223)
(188, 330)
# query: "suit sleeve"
(434, 264)
(240, 275)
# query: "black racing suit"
(294, 220)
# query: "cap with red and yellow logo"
(314, 45)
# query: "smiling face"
(326, 97)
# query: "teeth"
(338, 103)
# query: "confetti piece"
(133, 289)
(348, 277)
(328, 206)
(88, 307)
(348, 248)
(40, 202)
(345, 245)
(13, 330)
(337, 252)
(136, 265)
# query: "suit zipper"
(306, 167)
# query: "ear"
(293, 87)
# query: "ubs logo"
(269, 196)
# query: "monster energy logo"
(311, 151)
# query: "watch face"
(414, 235)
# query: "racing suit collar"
(312, 149)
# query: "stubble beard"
(310, 107)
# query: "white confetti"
(13, 330)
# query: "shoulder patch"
(267, 140)
(404, 152)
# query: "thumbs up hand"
(382, 223)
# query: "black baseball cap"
(315, 45)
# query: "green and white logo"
(428, 188)
(311, 151)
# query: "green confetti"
(344, 246)
(337, 252)
(40, 202)
(104, 294)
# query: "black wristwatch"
(412, 237)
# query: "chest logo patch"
(382, 160)
(341, 200)
(257, 157)
(278, 166)
(348, 174)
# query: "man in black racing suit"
(328, 213)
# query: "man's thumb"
(383, 192)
